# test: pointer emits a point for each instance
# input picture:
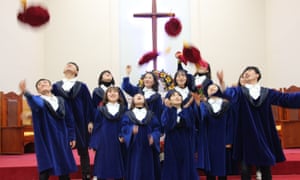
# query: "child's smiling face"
(139, 100)
(176, 99)
(148, 80)
(113, 95)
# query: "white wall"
(85, 32)
(21, 49)
(283, 42)
(230, 34)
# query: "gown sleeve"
(128, 87)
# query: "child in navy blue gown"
(79, 101)
(149, 87)
(140, 129)
(105, 81)
(256, 141)
(178, 123)
(54, 132)
(109, 158)
(183, 83)
(217, 132)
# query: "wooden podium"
(11, 131)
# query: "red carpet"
(15, 167)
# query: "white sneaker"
(258, 175)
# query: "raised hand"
(220, 76)
(128, 70)
(22, 86)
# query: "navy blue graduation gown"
(184, 101)
(98, 96)
(140, 161)
(178, 147)
(256, 139)
(80, 104)
(109, 158)
(194, 105)
(154, 102)
(53, 132)
(217, 132)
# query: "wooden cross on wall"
(154, 15)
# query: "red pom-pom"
(148, 57)
(191, 54)
(180, 57)
(203, 64)
(173, 27)
(21, 18)
(34, 15)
